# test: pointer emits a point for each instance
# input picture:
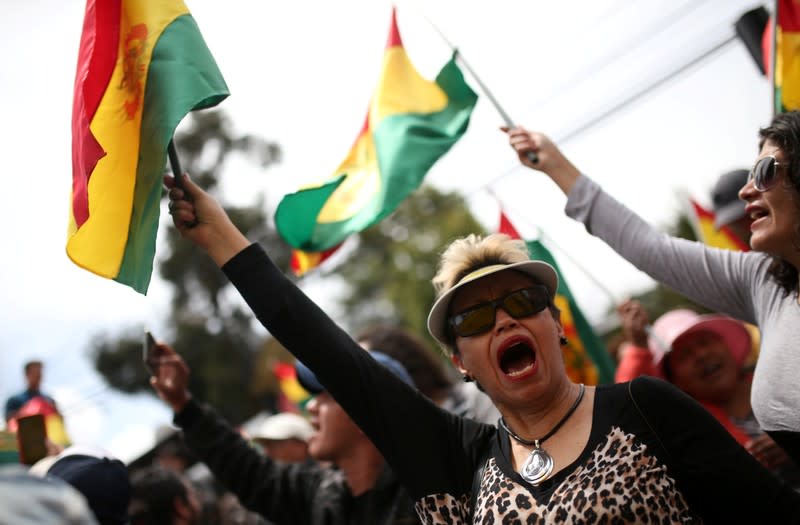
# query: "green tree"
(207, 324)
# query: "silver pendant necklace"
(539, 465)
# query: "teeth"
(515, 373)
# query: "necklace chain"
(537, 442)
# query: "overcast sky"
(301, 73)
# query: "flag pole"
(611, 296)
(532, 156)
(773, 48)
(175, 163)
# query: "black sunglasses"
(519, 303)
(765, 173)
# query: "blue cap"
(309, 381)
(102, 480)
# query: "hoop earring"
(563, 340)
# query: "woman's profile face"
(774, 212)
(515, 358)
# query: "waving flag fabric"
(786, 42)
(292, 396)
(703, 222)
(302, 262)
(142, 66)
(411, 122)
(585, 355)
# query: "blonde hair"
(470, 253)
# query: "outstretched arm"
(721, 280)
(412, 433)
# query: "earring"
(467, 378)
(562, 340)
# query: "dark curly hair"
(784, 132)
(414, 354)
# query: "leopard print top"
(620, 483)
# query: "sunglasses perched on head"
(765, 173)
(518, 304)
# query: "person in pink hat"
(703, 355)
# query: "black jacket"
(289, 494)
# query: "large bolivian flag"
(585, 355)
(411, 122)
(142, 66)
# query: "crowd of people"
(700, 425)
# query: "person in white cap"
(563, 452)
(284, 437)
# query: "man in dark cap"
(358, 487)
(101, 478)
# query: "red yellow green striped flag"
(302, 262)
(702, 221)
(585, 355)
(142, 66)
(787, 55)
(410, 124)
(292, 396)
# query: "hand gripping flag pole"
(506, 118)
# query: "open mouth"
(757, 213)
(517, 359)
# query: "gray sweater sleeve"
(722, 280)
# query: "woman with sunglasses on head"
(759, 287)
(640, 452)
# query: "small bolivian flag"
(702, 220)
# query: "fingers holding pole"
(177, 172)
(175, 164)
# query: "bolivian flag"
(292, 395)
(411, 122)
(703, 223)
(142, 66)
(585, 355)
(302, 262)
(787, 55)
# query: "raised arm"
(722, 280)
(409, 430)
(277, 491)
